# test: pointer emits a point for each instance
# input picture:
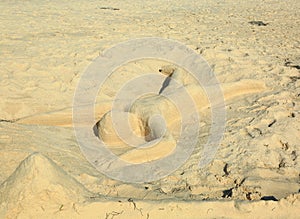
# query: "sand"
(253, 49)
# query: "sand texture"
(253, 48)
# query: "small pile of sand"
(39, 180)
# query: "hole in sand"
(156, 128)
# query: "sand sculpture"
(155, 121)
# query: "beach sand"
(253, 48)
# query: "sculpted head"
(167, 70)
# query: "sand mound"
(124, 121)
(38, 178)
(148, 107)
(136, 132)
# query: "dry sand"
(254, 49)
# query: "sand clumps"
(39, 188)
